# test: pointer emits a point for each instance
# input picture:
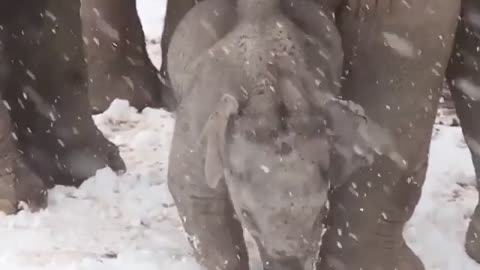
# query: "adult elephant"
(397, 55)
(47, 134)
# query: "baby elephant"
(259, 129)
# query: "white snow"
(152, 14)
(130, 222)
(469, 88)
(437, 230)
(401, 45)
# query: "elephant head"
(274, 150)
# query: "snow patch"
(469, 88)
(401, 45)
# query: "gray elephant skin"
(397, 55)
(53, 75)
(118, 63)
(47, 134)
(258, 127)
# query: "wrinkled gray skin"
(397, 55)
(257, 128)
(395, 70)
(118, 63)
(464, 80)
(47, 134)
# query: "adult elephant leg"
(118, 62)
(18, 183)
(396, 55)
(176, 9)
(207, 214)
(463, 75)
(47, 93)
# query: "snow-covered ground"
(130, 222)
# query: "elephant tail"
(257, 9)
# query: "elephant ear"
(215, 133)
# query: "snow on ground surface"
(130, 222)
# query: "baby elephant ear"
(215, 133)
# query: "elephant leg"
(47, 92)
(18, 183)
(396, 53)
(463, 75)
(176, 9)
(208, 218)
(118, 62)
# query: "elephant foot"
(20, 185)
(7, 207)
(472, 239)
(102, 91)
(29, 187)
(75, 163)
(140, 85)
